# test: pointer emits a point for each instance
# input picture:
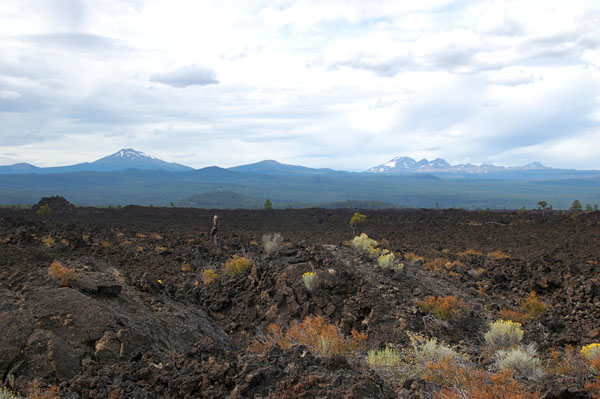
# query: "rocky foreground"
(137, 303)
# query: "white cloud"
(9, 95)
(340, 84)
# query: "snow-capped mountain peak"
(438, 165)
(130, 153)
(128, 158)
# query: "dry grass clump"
(503, 334)
(237, 266)
(36, 391)
(48, 240)
(470, 252)
(316, 334)
(6, 393)
(444, 308)
(208, 276)
(62, 273)
(382, 358)
(522, 362)
(481, 385)
(531, 309)
(497, 255)
(272, 243)
(567, 362)
(412, 257)
(594, 387)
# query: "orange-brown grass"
(470, 252)
(36, 391)
(156, 236)
(185, 267)
(61, 273)
(444, 308)
(140, 235)
(159, 249)
(316, 334)
(139, 248)
(48, 240)
(412, 257)
(594, 387)
(481, 385)
(436, 264)
(237, 266)
(497, 255)
(105, 244)
(568, 362)
(64, 242)
(126, 243)
(531, 309)
(443, 372)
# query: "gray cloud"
(75, 41)
(387, 68)
(187, 76)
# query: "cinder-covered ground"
(136, 319)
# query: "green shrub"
(503, 334)
(522, 362)
(356, 219)
(43, 210)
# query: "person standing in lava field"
(215, 229)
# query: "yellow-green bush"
(237, 266)
(308, 278)
(208, 276)
(503, 334)
(387, 357)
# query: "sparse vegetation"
(530, 309)
(61, 273)
(317, 335)
(272, 243)
(444, 308)
(237, 266)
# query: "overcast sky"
(341, 84)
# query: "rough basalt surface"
(137, 321)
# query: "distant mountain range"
(132, 177)
(438, 165)
(127, 158)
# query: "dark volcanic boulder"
(56, 203)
